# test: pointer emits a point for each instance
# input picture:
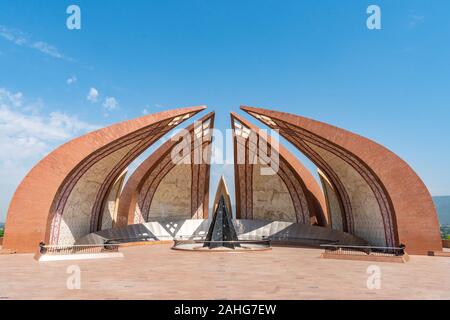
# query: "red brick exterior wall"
(401, 193)
(30, 213)
(298, 180)
(130, 193)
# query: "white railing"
(77, 249)
(363, 250)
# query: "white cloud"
(92, 95)
(56, 126)
(21, 39)
(47, 49)
(25, 137)
(71, 80)
(110, 103)
(20, 125)
(147, 108)
(8, 97)
(71, 124)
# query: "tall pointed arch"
(63, 196)
(138, 195)
(300, 198)
(381, 197)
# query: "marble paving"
(156, 272)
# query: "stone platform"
(156, 272)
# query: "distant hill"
(442, 204)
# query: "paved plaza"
(156, 272)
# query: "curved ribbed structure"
(165, 186)
(371, 192)
(288, 192)
(62, 198)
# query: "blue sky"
(312, 58)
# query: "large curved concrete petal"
(135, 202)
(255, 192)
(407, 210)
(48, 186)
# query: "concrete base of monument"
(278, 232)
(85, 256)
(145, 243)
(154, 272)
(444, 253)
(364, 257)
(6, 251)
(240, 246)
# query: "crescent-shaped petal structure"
(150, 193)
(63, 197)
(270, 182)
(371, 192)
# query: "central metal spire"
(221, 232)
